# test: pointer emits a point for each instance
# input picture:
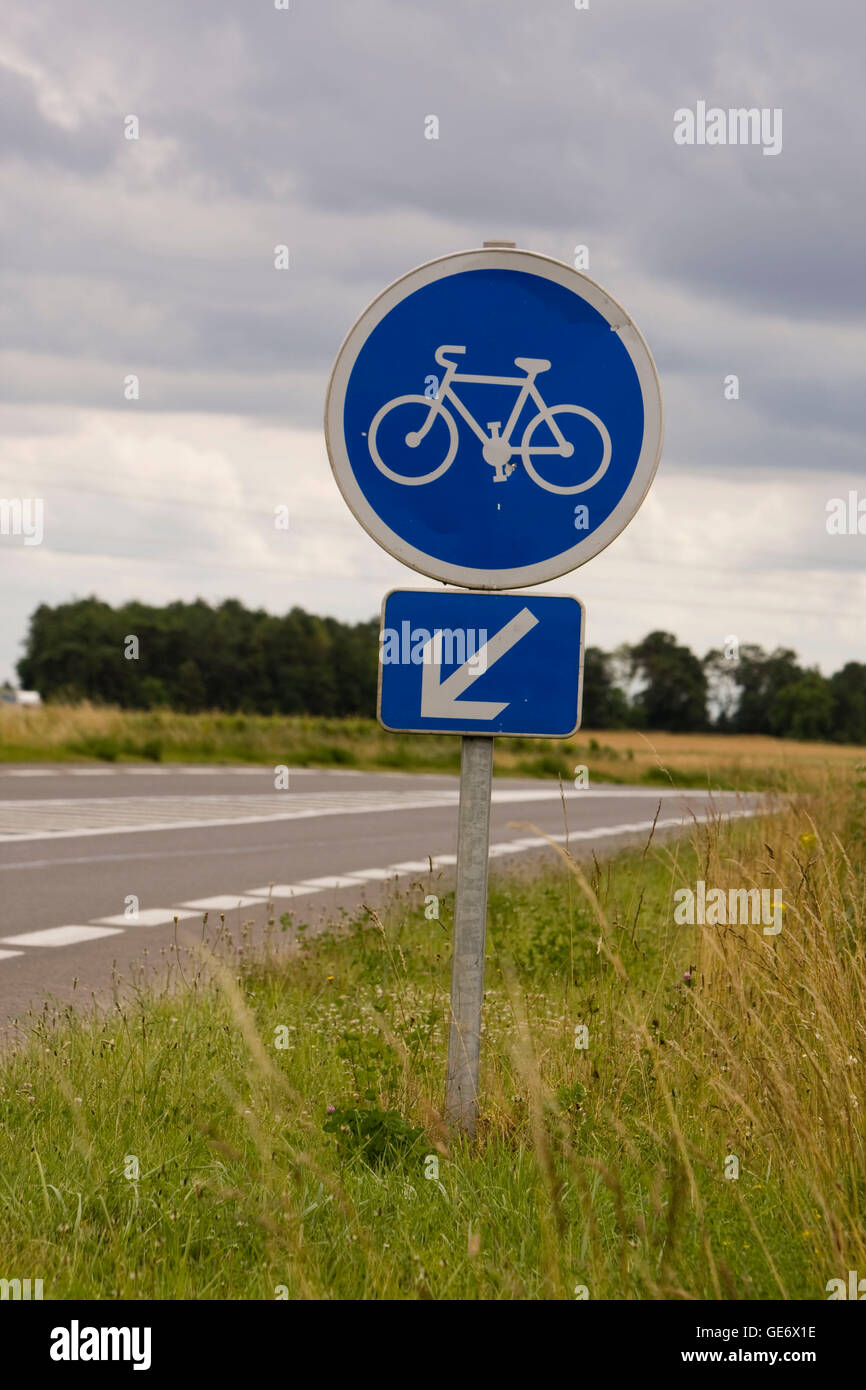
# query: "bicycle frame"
(526, 389)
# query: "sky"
(305, 127)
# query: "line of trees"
(191, 656)
(194, 656)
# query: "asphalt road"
(81, 849)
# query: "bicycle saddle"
(532, 364)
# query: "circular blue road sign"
(494, 419)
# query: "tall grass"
(97, 733)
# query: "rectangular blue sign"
(464, 662)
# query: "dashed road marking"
(330, 881)
(28, 772)
(60, 936)
(282, 890)
(222, 902)
(375, 874)
(148, 917)
(110, 926)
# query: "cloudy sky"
(261, 126)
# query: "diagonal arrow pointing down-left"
(439, 699)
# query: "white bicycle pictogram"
(497, 449)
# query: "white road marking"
(374, 874)
(185, 770)
(148, 917)
(330, 881)
(59, 936)
(282, 890)
(66, 817)
(223, 902)
(4, 955)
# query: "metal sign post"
(477, 664)
(470, 925)
(486, 504)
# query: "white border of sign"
(482, 733)
(560, 274)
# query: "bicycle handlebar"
(443, 361)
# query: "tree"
(604, 704)
(760, 677)
(674, 686)
(803, 708)
(848, 692)
(723, 692)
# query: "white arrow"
(439, 698)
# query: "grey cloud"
(261, 127)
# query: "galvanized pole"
(470, 923)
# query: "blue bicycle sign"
(494, 419)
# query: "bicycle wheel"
(407, 437)
(585, 447)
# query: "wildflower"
(331, 1109)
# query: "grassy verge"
(272, 1126)
(76, 733)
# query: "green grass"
(601, 1168)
